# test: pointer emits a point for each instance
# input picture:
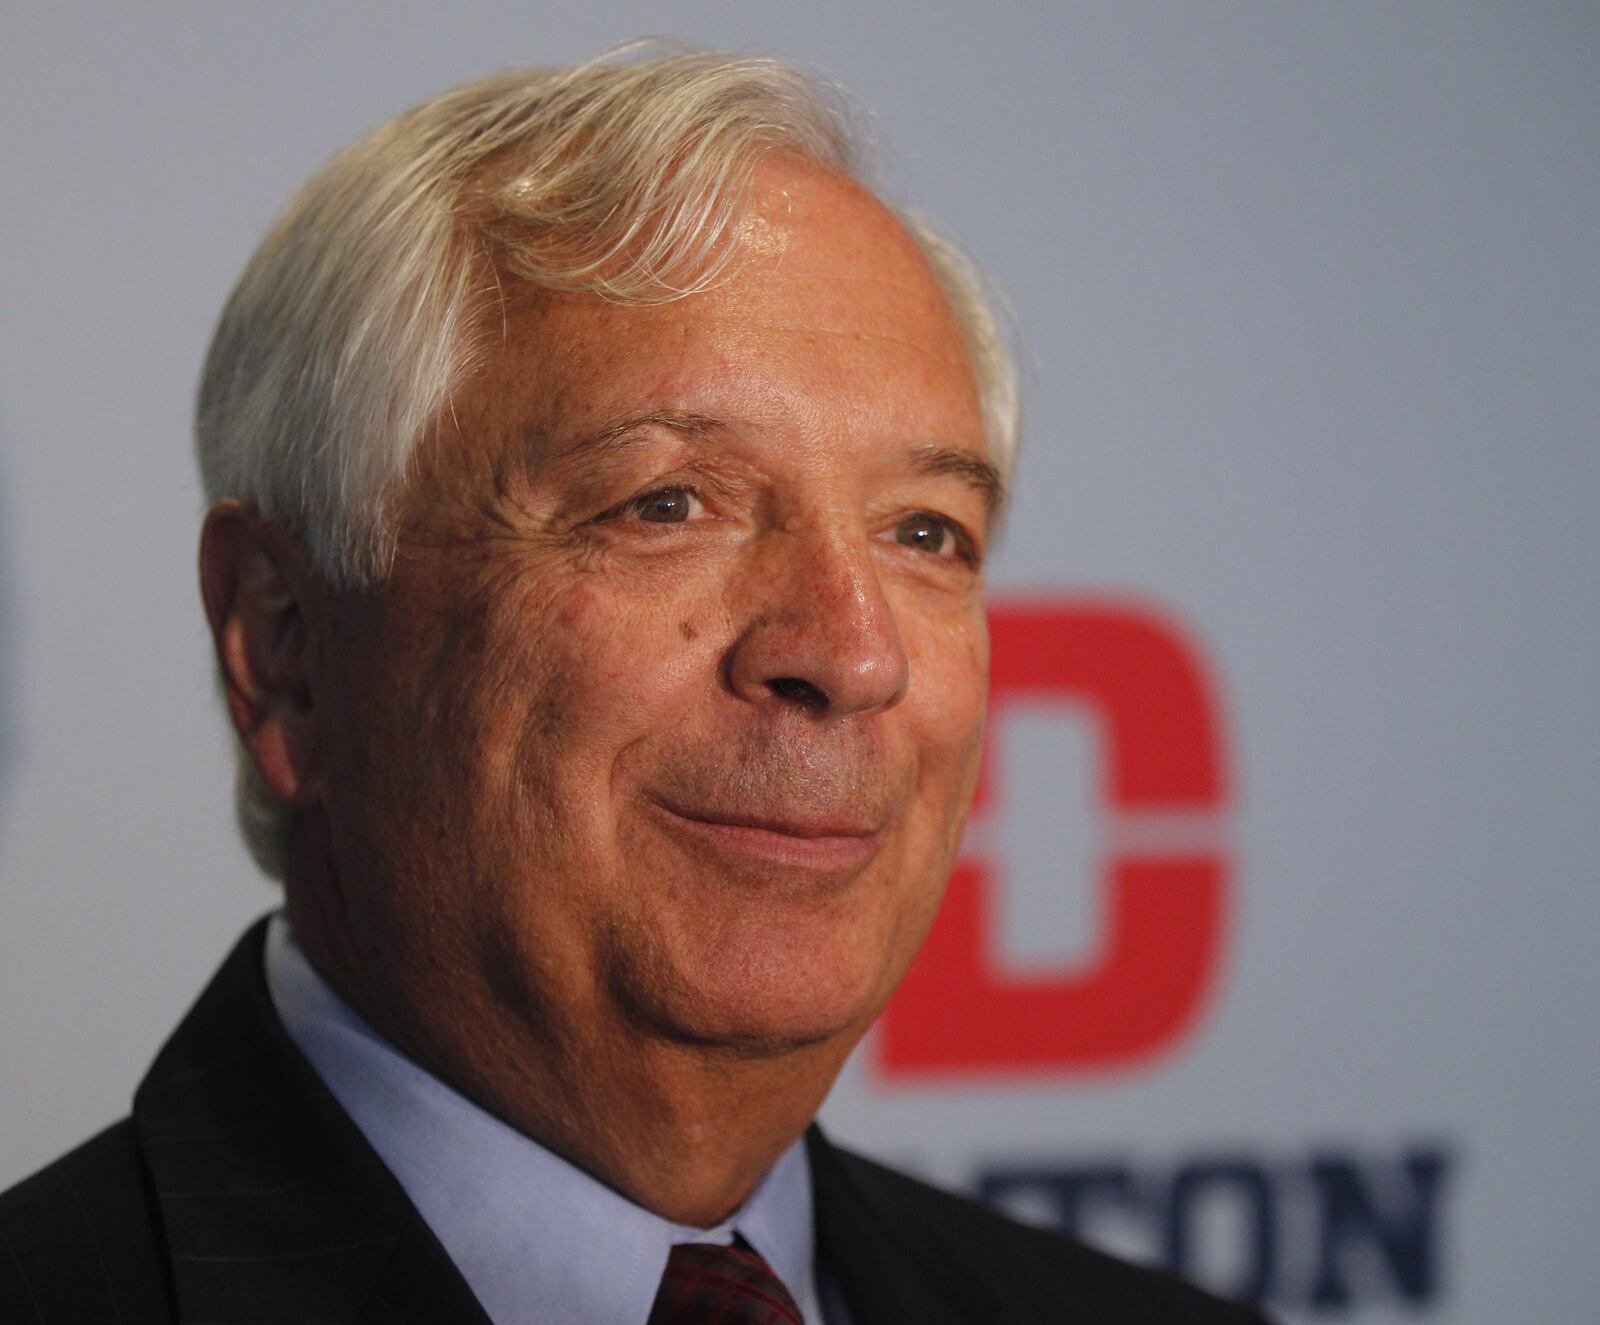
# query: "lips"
(830, 842)
(805, 827)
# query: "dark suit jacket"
(239, 1191)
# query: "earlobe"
(253, 580)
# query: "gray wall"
(1313, 293)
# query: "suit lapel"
(881, 1278)
(273, 1206)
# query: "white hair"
(365, 305)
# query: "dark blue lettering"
(1376, 1216)
(1245, 1185)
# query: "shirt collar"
(535, 1237)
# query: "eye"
(928, 533)
(666, 505)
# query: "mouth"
(830, 842)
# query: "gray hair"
(363, 308)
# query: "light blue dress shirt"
(536, 1238)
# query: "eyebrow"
(968, 466)
(620, 433)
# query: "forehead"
(830, 316)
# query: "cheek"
(947, 702)
(950, 676)
(445, 687)
(610, 670)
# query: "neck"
(689, 1140)
(686, 1131)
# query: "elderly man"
(602, 477)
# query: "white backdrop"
(1313, 293)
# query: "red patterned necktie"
(708, 1285)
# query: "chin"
(760, 992)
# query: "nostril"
(799, 692)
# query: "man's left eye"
(927, 533)
(667, 505)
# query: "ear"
(256, 582)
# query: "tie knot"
(711, 1285)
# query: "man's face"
(667, 721)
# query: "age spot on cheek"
(572, 611)
(687, 631)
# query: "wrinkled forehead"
(826, 293)
(805, 235)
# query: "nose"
(821, 637)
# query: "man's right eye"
(666, 505)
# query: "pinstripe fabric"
(76, 1243)
(272, 1205)
(238, 1192)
